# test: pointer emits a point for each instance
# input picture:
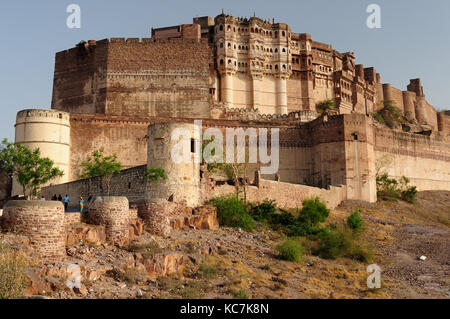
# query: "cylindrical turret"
(172, 146)
(421, 115)
(42, 222)
(409, 101)
(387, 92)
(48, 130)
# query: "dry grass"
(12, 277)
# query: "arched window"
(229, 45)
(221, 44)
(221, 61)
(276, 50)
(276, 66)
(283, 34)
(252, 30)
(221, 27)
(284, 50)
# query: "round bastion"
(42, 222)
(48, 130)
(114, 214)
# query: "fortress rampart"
(148, 77)
(235, 73)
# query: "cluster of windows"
(324, 56)
(345, 85)
(254, 47)
(346, 97)
(325, 69)
(272, 34)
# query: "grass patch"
(207, 271)
(147, 250)
(290, 250)
(240, 294)
(12, 277)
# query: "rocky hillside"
(232, 263)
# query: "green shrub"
(336, 242)
(231, 212)
(333, 243)
(354, 221)
(361, 253)
(290, 250)
(390, 188)
(409, 194)
(314, 211)
(263, 211)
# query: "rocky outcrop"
(204, 218)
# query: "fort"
(126, 95)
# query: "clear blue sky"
(413, 41)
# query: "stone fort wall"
(129, 183)
(424, 160)
(135, 77)
(329, 151)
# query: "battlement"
(44, 113)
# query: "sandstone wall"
(148, 77)
(129, 183)
(444, 123)
(287, 195)
(168, 78)
(79, 84)
(122, 136)
(424, 160)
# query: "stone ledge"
(34, 203)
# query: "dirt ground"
(420, 229)
(230, 263)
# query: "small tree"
(99, 165)
(389, 115)
(28, 167)
(155, 174)
(325, 105)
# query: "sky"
(413, 41)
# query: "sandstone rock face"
(204, 218)
(88, 234)
(36, 284)
(114, 214)
(42, 222)
(162, 217)
(165, 264)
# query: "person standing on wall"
(66, 202)
(60, 199)
(81, 204)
